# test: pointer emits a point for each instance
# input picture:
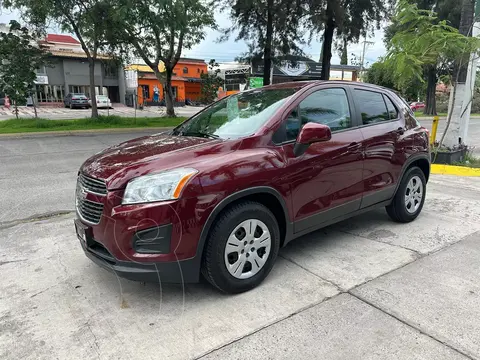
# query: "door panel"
(326, 181)
(385, 144)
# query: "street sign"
(256, 82)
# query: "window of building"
(392, 110)
(185, 70)
(372, 106)
(328, 107)
(49, 93)
(198, 70)
(111, 70)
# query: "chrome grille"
(89, 211)
(92, 185)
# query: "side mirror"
(309, 134)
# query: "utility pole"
(470, 82)
(459, 114)
(362, 62)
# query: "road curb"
(454, 170)
(81, 132)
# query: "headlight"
(166, 185)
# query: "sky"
(209, 48)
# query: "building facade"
(186, 82)
(303, 68)
(68, 72)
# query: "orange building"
(186, 81)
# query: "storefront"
(186, 82)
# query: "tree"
(211, 83)
(351, 19)
(271, 27)
(159, 30)
(87, 19)
(20, 57)
(448, 10)
(381, 73)
(425, 41)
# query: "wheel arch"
(265, 195)
(422, 161)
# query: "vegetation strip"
(14, 126)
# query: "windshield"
(236, 116)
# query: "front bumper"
(181, 271)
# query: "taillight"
(74, 98)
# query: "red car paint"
(330, 180)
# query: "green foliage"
(159, 30)
(90, 21)
(20, 58)
(423, 41)
(272, 28)
(211, 83)
(102, 122)
(381, 73)
(351, 19)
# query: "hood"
(118, 164)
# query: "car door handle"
(353, 147)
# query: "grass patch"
(470, 161)
(102, 122)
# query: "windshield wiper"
(200, 134)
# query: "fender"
(230, 199)
(409, 162)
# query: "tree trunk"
(267, 51)
(93, 98)
(431, 102)
(34, 106)
(168, 93)
(327, 45)
(344, 59)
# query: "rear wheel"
(410, 196)
(241, 248)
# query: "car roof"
(302, 84)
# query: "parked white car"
(102, 102)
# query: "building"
(235, 76)
(304, 68)
(186, 82)
(68, 72)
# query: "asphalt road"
(41, 170)
(366, 288)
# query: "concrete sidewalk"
(366, 288)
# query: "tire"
(214, 264)
(401, 211)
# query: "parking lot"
(366, 288)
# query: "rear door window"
(372, 106)
(392, 110)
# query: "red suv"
(223, 191)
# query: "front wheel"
(410, 196)
(241, 248)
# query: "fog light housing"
(155, 240)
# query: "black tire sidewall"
(219, 236)
(400, 197)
